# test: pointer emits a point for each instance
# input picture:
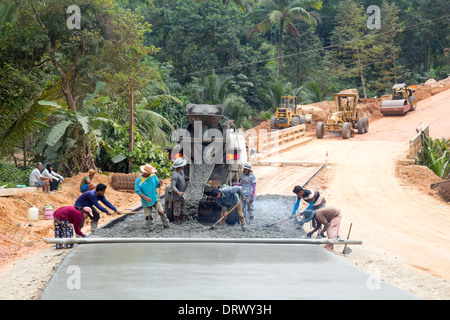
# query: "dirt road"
(385, 213)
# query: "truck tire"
(232, 218)
(412, 102)
(273, 125)
(302, 121)
(366, 125)
(295, 121)
(320, 130)
(360, 125)
(346, 130)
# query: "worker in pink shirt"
(67, 219)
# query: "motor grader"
(344, 117)
(402, 101)
(287, 115)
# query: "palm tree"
(283, 12)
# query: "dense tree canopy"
(152, 57)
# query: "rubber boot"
(94, 225)
(149, 223)
(165, 220)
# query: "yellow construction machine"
(287, 115)
(402, 101)
(344, 117)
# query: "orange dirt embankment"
(16, 229)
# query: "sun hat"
(308, 215)
(89, 211)
(248, 166)
(180, 162)
(148, 168)
(91, 171)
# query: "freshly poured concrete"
(211, 271)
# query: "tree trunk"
(279, 47)
(361, 73)
(131, 135)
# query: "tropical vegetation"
(107, 94)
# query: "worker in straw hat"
(248, 183)
(68, 218)
(179, 185)
(145, 186)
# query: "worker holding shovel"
(145, 186)
(313, 197)
(179, 185)
(230, 197)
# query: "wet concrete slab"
(214, 271)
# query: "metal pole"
(199, 240)
(317, 171)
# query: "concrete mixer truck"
(215, 152)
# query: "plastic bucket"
(48, 213)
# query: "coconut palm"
(283, 12)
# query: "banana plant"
(435, 155)
(88, 119)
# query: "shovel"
(271, 224)
(223, 217)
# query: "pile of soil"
(16, 230)
(444, 191)
(421, 178)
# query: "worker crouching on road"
(330, 218)
(248, 183)
(66, 219)
(228, 198)
(178, 184)
(145, 186)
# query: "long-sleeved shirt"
(52, 175)
(178, 184)
(324, 216)
(71, 214)
(147, 187)
(230, 196)
(314, 198)
(248, 183)
(90, 198)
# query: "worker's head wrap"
(308, 215)
(214, 192)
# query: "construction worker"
(314, 199)
(330, 218)
(228, 198)
(87, 183)
(91, 199)
(68, 218)
(248, 183)
(178, 184)
(145, 186)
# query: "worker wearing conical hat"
(145, 186)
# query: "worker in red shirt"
(68, 218)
